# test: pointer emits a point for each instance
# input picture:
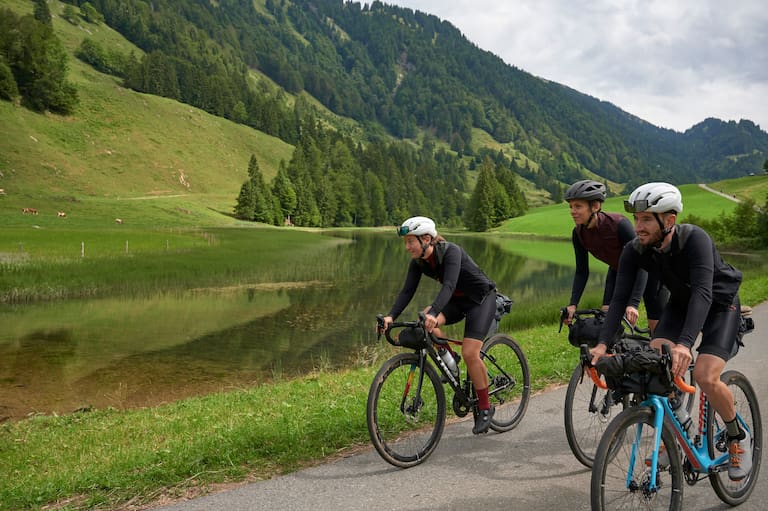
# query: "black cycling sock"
(734, 431)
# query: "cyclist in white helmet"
(703, 298)
(466, 293)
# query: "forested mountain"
(409, 71)
(398, 74)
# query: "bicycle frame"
(463, 390)
(695, 450)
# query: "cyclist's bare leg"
(652, 324)
(470, 350)
(707, 372)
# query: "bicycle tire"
(509, 381)
(609, 487)
(588, 411)
(405, 428)
(745, 399)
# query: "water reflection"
(133, 352)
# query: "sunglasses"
(636, 207)
(403, 230)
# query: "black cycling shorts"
(719, 334)
(479, 316)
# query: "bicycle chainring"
(460, 407)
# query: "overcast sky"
(671, 63)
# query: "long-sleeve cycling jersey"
(604, 241)
(454, 268)
(692, 270)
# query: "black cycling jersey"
(693, 271)
(455, 269)
(604, 241)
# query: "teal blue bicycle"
(630, 469)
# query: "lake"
(127, 352)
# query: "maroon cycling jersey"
(604, 241)
(607, 238)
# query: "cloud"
(671, 63)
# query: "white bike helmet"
(654, 198)
(417, 226)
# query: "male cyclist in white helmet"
(703, 298)
(466, 293)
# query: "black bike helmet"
(587, 189)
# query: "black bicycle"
(406, 407)
(589, 406)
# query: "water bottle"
(450, 362)
(681, 412)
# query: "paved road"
(528, 468)
(721, 194)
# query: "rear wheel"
(588, 411)
(406, 410)
(509, 378)
(747, 409)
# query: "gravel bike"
(628, 471)
(406, 409)
(589, 406)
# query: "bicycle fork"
(413, 408)
(649, 483)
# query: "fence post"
(82, 249)
(126, 246)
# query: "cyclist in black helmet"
(603, 235)
(466, 293)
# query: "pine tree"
(480, 210)
(263, 204)
(246, 202)
(42, 13)
(285, 193)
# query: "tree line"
(33, 63)
(331, 181)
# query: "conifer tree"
(285, 193)
(246, 202)
(42, 13)
(481, 208)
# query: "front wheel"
(621, 475)
(406, 410)
(509, 381)
(588, 411)
(748, 411)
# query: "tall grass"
(139, 262)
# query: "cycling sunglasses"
(403, 230)
(636, 207)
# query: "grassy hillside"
(122, 151)
(747, 187)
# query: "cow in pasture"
(29, 211)
(2, 191)
(61, 214)
(118, 220)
